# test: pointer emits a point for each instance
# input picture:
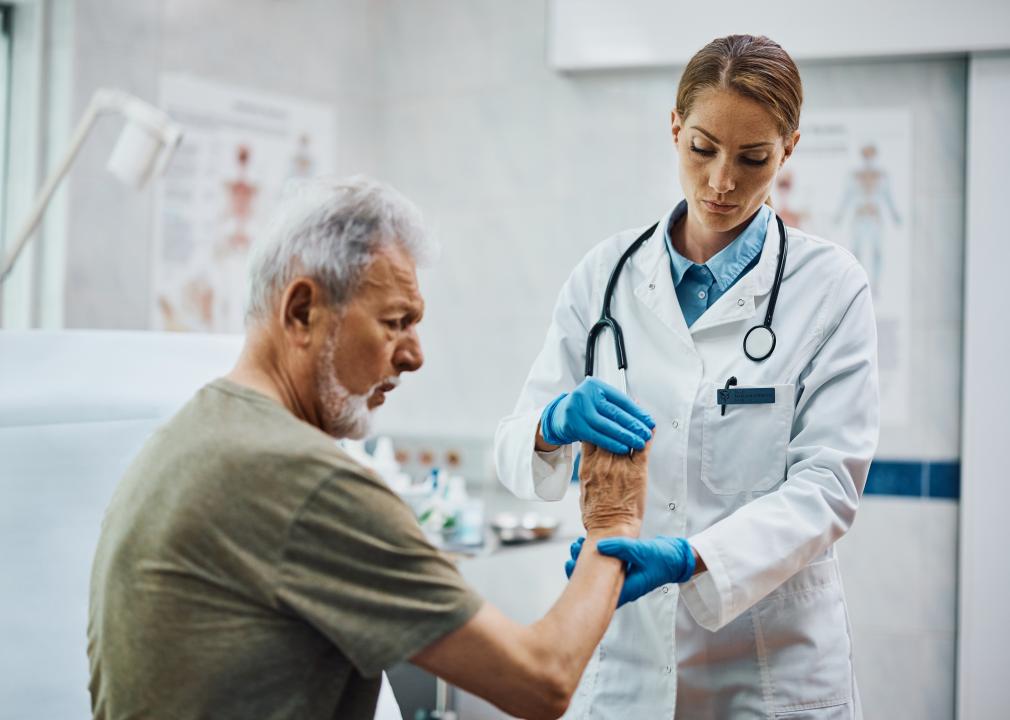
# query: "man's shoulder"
(281, 455)
(229, 421)
(234, 454)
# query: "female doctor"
(751, 353)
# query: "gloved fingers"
(625, 419)
(589, 435)
(627, 549)
(622, 401)
(613, 547)
(576, 548)
(610, 432)
(610, 403)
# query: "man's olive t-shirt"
(247, 568)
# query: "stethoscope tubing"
(608, 322)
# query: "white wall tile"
(938, 582)
(888, 671)
(881, 560)
(899, 570)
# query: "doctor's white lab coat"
(762, 493)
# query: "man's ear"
(300, 308)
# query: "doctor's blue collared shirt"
(699, 286)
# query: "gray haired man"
(249, 568)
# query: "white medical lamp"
(143, 150)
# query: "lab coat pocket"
(745, 448)
(803, 645)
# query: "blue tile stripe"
(907, 478)
(915, 479)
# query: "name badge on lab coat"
(745, 396)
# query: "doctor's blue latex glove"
(648, 563)
(597, 413)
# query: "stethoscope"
(758, 343)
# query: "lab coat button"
(676, 424)
(666, 589)
(667, 670)
(652, 286)
(672, 506)
(740, 302)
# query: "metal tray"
(512, 528)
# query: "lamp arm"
(101, 102)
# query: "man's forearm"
(574, 626)
(612, 498)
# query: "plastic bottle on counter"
(384, 462)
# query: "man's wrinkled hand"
(613, 489)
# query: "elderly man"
(250, 569)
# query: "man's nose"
(409, 357)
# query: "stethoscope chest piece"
(759, 342)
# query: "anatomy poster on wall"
(850, 181)
(239, 149)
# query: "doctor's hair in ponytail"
(752, 65)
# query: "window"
(34, 91)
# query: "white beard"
(345, 415)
